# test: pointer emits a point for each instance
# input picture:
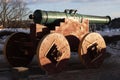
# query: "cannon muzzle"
(50, 17)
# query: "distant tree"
(115, 23)
(12, 11)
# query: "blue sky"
(91, 7)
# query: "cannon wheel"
(91, 50)
(53, 52)
(15, 51)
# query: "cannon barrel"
(49, 17)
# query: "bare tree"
(12, 11)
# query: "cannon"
(53, 36)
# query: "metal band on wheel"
(53, 52)
(15, 50)
(91, 50)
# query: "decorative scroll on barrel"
(53, 36)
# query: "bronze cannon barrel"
(49, 17)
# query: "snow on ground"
(108, 32)
(25, 30)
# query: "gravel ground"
(109, 70)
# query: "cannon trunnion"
(53, 36)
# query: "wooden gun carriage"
(53, 36)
